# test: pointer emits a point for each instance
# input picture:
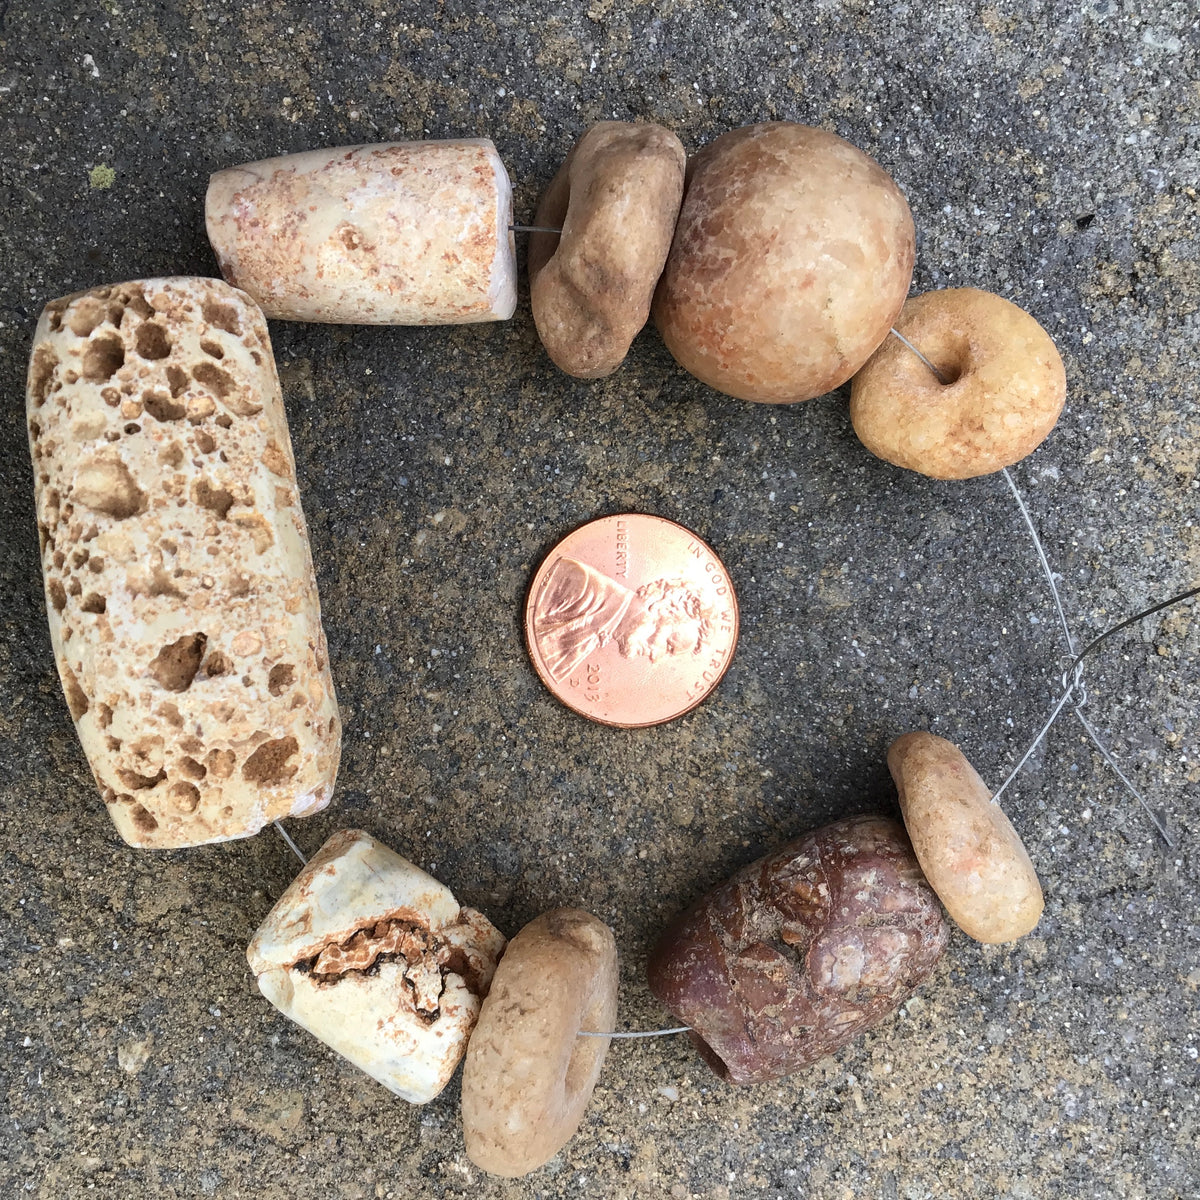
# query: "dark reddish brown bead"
(800, 952)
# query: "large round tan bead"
(616, 199)
(972, 856)
(792, 256)
(528, 1075)
(1006, 387)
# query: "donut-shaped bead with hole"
(1003, 392)
(972, 856)
(791, 258)
(528, 1074)
(800, 952)
(615, 199)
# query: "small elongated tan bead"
(378, 960)
(179, 585)
(529, 1076)
(401, 233)
(972, 856)
(616, 199)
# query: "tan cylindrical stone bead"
(378, 960)
(616, 199)
(528, 1075)
(180, 590)
(972, 856)
(401, 233)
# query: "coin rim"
(531, 641)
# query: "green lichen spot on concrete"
(101, 176)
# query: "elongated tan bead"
(402, 233)
(528, 1074)
(616, 199)
(179, 585)
(971, 854)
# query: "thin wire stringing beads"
(1072, 679)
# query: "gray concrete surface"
(1051, 152)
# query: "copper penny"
(631, 620)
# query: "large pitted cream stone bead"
(378, 960)
(529, 1075)
(401, 233)
(179, 585)
(1003, 392)
(972, 856)
(616, 199)
(792, 256)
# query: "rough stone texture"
(801, 952)
(873, 601)
(615, 199)
(972, 856)
(1001, 390)
(406, 233)
(378, 960)
(180, 590)
(529, 1076)
(791, 259)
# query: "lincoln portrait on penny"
(579, 611)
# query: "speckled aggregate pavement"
(1050, 152)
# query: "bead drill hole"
(948, 364)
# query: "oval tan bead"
(616, 199)
(179, 585)
(528, 1075)
(1005, 387)
(401, 233)
(970, 853)
(792, 256)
